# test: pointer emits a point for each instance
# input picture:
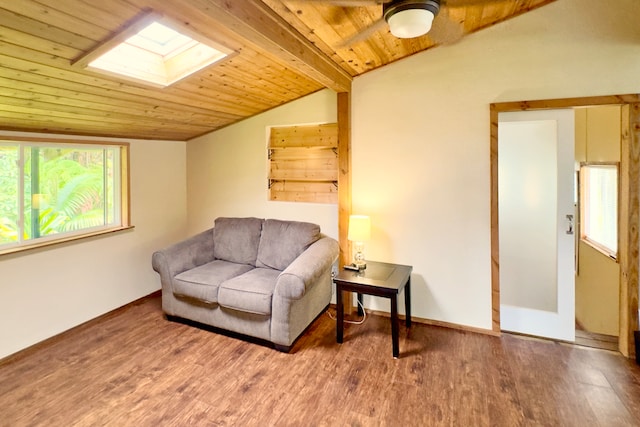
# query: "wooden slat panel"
(293, 17)
(112, 16)
(302, 153)
(335, 25)
(326, 163)
(304, 175)
(177, 97)
(304, 191)
(304, 160)
(14, 97)
(46, 13)
(49, 125)
(349, 22)
(42, 30)
(257, 89)
(325, 135)
(119, 8)
(264, 70)
(39, 44)
(86, 107)
(97, 120)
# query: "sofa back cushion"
(283, 241)
(237, 239)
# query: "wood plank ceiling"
(284, 50)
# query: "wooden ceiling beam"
(260, 26)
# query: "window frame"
(123, 183)
(584, 194)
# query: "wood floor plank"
(607, 407)
(500, 386)
(135, 368)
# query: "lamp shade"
(410, 23)
(359, 228)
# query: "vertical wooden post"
(629, 221)
(344, 186)
(495, 242)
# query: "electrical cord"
(353, 322)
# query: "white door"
(536, 212)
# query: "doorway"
(629, 204)
(597, 269)
(536, 211)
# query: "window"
(599, 225)
(303, 163)
(153, 50)
(52, 191)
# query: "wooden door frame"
(629, 209)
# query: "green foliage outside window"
(64, 190)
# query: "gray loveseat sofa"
(267, 279)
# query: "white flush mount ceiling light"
(410, 18)
(153, 51)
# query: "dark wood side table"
(378, 279)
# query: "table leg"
(339, 314)
(360, 305)
(407, 302)
(394, 326)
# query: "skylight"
(161, 40)
(156, 54)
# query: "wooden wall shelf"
(303, 163)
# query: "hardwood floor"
(134, 368)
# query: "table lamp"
(359, 232)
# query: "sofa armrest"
(303, 272)
(183, 256)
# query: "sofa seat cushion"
(250, 292)
(283, 241)
(237, 239)
(202, 282)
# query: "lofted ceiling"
(283, 50)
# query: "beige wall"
(598, 278)
(421, 139)
(597, 292)
(227, 170)
(44, 292)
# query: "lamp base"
(359, 266)
(354, 267)
(358, 257)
